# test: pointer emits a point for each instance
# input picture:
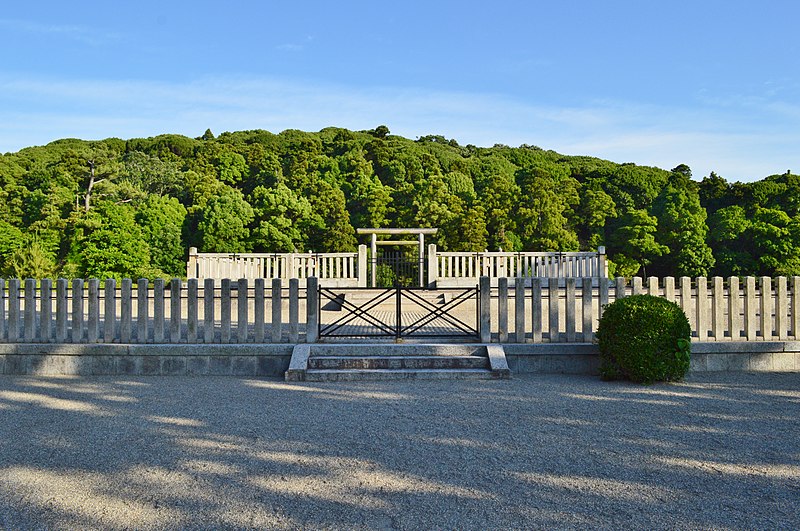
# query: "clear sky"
(712, 84)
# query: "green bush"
(645, 339)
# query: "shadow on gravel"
(718, 451)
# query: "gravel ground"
(719, 451)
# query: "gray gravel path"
(720, 451)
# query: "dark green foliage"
(645, 339)
(258, 191)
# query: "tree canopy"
(133, 207)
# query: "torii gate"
(420, 232)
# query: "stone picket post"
(46, 310)
(312, 310)
(636, 286)
(485, 309)
(93, 322)
(686, 300)
(294, 310)
(669, 289)
(29, 323)
(536, 309)
(110, 317)
(433, 265)
(718, 308)
(175, 314)
(619, 288)
(277, 316)
(62, 310)
(587, 329)
(126, 311)
(734, 309)
(750, 308)
(191, 263)
(242, 317)
(519, 310)
(258, 310)
(208, 311)
(781, 309)
(77, 310)
(701, 308)
(142, 310)
(13, 310)
(652, 286)
(766, 309)
(191, 310)
(158, 310)
(502, 309)
(225, 311)
(570, 314)
(552, 306)
(361, 269)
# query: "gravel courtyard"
(719, 451)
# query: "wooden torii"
(420, 232)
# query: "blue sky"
(712, 84)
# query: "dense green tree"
(776, 242)
(497, 193)
(161, 219)
(223, 223)
(152, 175)
(543, 209)
(334, 233)
(111, 244)
(730, 235)
(632, 243)
(283, 219)
(682, 229)
(595, 209)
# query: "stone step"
(380, 361)
(394, 349)
(329, 375)
(398, 362)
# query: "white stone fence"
(457, 269)
(244, 311)
(78, 311)
(332, 269)
(444, 269)
(568, 310)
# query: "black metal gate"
(399, 313)
(398, 268)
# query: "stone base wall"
(272, 360)
(145, 360)
(584, 358)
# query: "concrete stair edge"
(324, 375)
(299, 366)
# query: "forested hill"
(117, 208)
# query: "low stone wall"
(145, 360)
(583, 358)
(272, 360)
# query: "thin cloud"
(290, 47)
(36, 111)
(82, 34)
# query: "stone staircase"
(386, 361)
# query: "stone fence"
(457, 269)
(332, 269)
(244, 311)
(444, 269)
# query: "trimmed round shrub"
(645, 339)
